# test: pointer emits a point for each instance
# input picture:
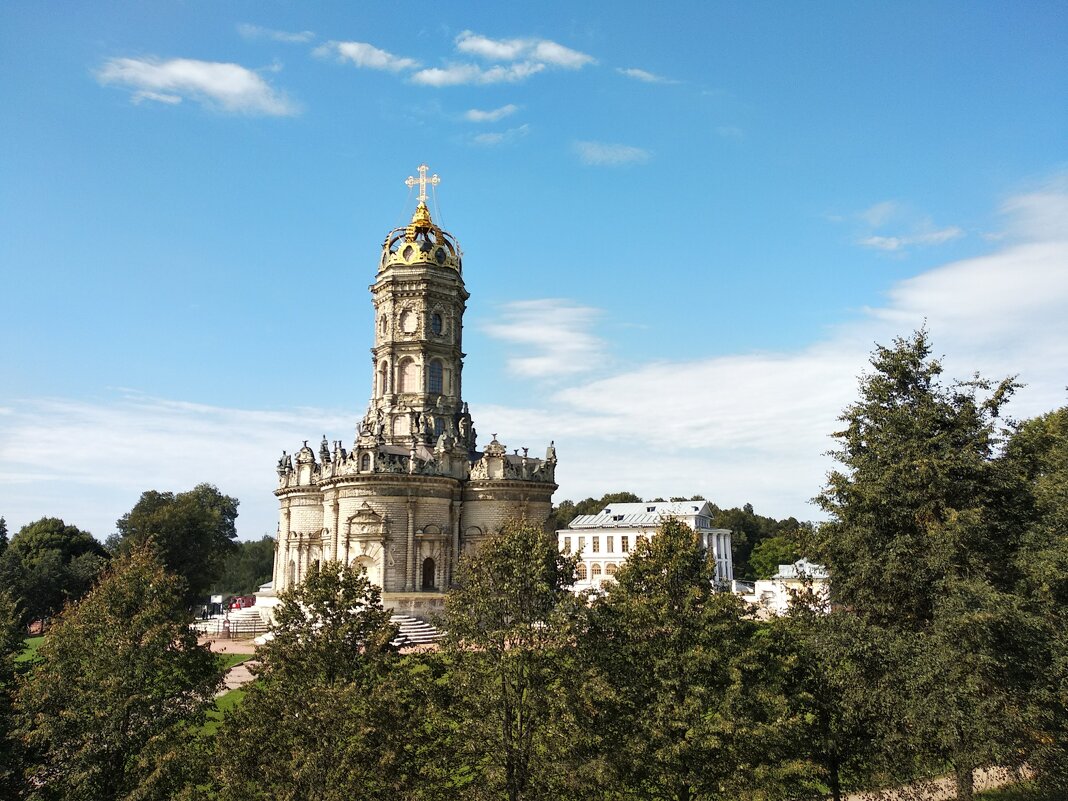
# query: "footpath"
(941, 789)
(238, 675)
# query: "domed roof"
(421, 242)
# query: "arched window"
(383, 378)
(428, 574)
(595, 572)
(434, 378)
(365, 462)
(580, 571)
(610, 570)
(435, 324)
(408, 375)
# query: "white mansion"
(605, 539)
(413, 491)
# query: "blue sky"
(685, 226)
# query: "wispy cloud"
(494, 138)
(254, 32)
(893, 227)
(493, 115)
(459, 74)
(518, 60)
(604, 154)
(643, 75)
(223, 86)
(552, 335)
(537, 50)
(365, 55)
(132, 443)
(754, 426)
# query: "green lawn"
(1025, 791)
(30, 651)
(232, 660)
(222, 704)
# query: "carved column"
(336, 555)
(409, 582)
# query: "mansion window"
(610, 570)
(435, 323)
(567, 545)
(581, 571)
(582, 543)
(595, 544)
(608, 544)
(595, 573)
(624, 543)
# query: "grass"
(30, 650)
(233, 660)
(1024, 791)
(223, 703)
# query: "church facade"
(414, 492)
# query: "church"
(413, 492)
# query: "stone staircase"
(413, 631)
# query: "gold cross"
(422, 180)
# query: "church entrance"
(428, 574)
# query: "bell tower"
(417, 358)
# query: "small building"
(604, 540)
(776, 593)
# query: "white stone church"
(414, 491)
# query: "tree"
(1040, 450)
(106, 711)
(248, 567)
(510, 622)
(769, 554)
(840, 677)
(192, 533)
(3, 536)
(335, 713)
(11, 643)
(49, 563)
(925, 519)
(670, 708)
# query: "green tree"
(1040, 449)
(11, 643)
(247, 568)
(925, 519)
(510, 622)
(192, 532)
(3, 536)
(49, 563)
(335, 712)
(671, 707)
(106, 710)
(769, 554)
(840, 677)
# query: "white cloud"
(493, 115)
(552, 336)
(740, 427)
(643, 75)
(365, 55)
(754, 427)
(458, 74)
(537, 50)
(88, 462)
(604, 154)
(911, 229)
(223, 86)
(494, 138)
(891, 243)
(252, 32)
